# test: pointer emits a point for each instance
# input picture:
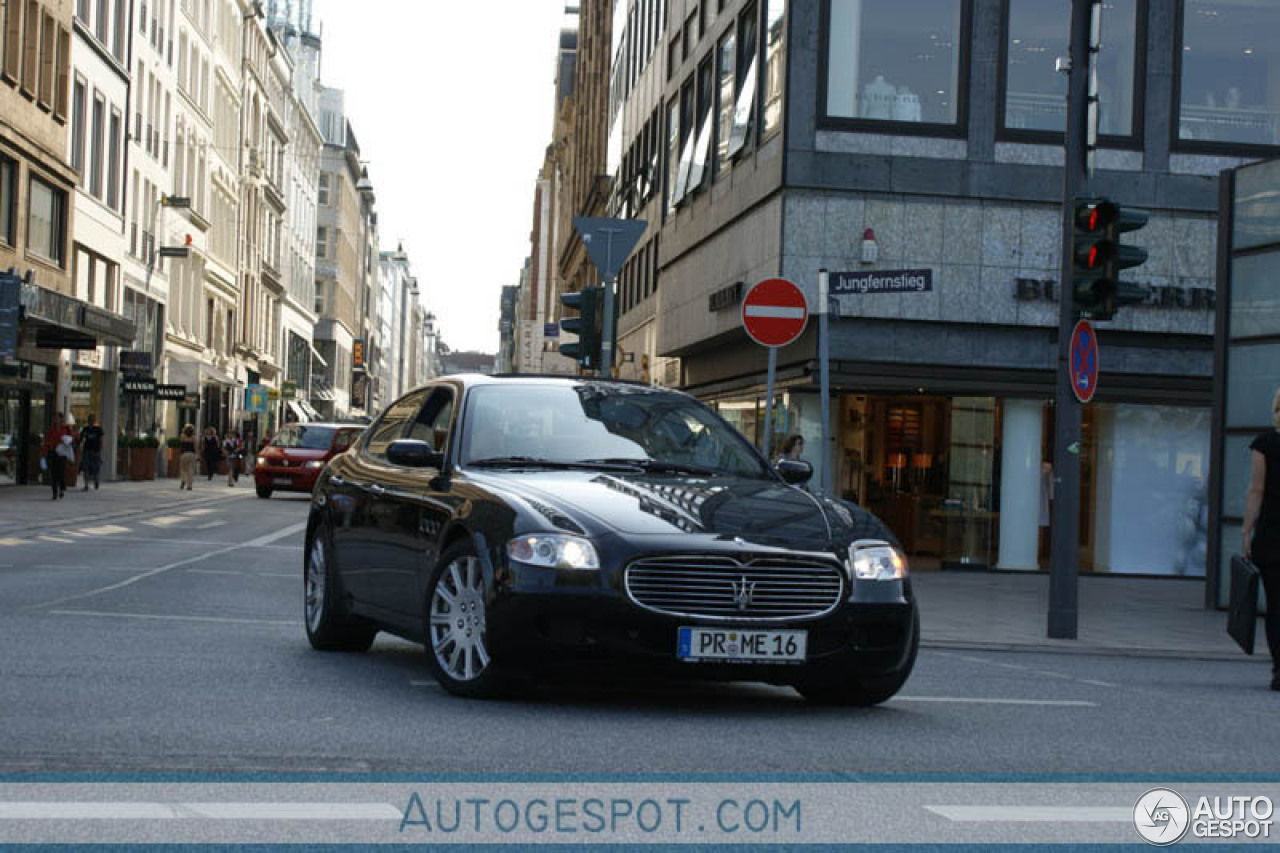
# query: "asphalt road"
(174, 641)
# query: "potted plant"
(172, 452)
(143, 454)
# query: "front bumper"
(543, 617)
(291, 479)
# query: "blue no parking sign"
(1084, 361)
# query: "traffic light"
(589, 303)
(1098, 256)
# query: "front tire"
(329, 627)
(456, 628)
(864, 692)
(263, 492)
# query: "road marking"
(1097, 683)
(291, 575)
(978, 700)
(52, 566)
(252, 543)
(213, 572)
(1033, 814)
(58, 539)
(13, 542)
(424, 684)
(194, 512)
(164, 520)
(197, 811)
(209, 524)
(170, 617)
(105, 530)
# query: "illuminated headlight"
(875, 560)
(261, 463)
(315, 463)
(554, 551)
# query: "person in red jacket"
(55, 461)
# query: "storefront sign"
(191, 401)
(881, 281)
(1158, 296)
(273, 394)
(255, 398)
(289, 390)
(357, 354)
(135, 361)
(725, 298)
(171, 392)
(142, 386)
(81, 381)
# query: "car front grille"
(767, 589)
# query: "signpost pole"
(1065, 531)
(824, 379)
(768, 402)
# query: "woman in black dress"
(212, 451)
(1262, 528)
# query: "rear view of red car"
(298, 453)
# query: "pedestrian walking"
(187, 457)
(1261, 534)
(211, 451)
(792, 448)
(53, 458)
(233, 450)
(91, 452)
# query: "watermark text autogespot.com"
(566, 816)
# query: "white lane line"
(105, 530)
(59, 539)
(165, 520)
(66, 568)
(1097, 683)
(209, 524)
(213, 572)
(11, 541)
(424, 684)
(290, 575)
(194, 512)
(168, 617)
(197, 811)
(252, 543)
(1033, 814)
(979, 700)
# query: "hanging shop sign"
(289, 390)
(135, 361)
(177, 393)
(140, 386)
(255, 398)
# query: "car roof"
(478, 379)
(327, 424)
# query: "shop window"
(1228, 89)
(775, 64)
(1037, 33)
(895, 62)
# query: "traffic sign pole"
(768, 402)
(824, 380)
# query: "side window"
(344, 439)
(391, 425)
(432, 423)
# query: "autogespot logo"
(1161, 816)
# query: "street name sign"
(1084, 361)
(774, 312)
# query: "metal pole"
(1063, 580)
(606, 325)
(768, 402)
(824, 379)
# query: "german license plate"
(282, 481)
(739, 645)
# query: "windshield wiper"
(537, 462)
(657, 466)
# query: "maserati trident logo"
(742, 591)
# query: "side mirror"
(411, 453)
(794, 471)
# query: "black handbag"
(1242, 615)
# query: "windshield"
(609, 424)
(305, 438)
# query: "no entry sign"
(1084, 361)
(774, 312)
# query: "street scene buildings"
(184, 201)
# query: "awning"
(315, 354)
(64, 322)
(298, 412)
(193, 374)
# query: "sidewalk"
(31, 508)
(1004, 611)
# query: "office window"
(62, 74)
(113, 161)
(744, 105)
(725, 55)
(322, 242)
(687, 142)
(8, 197)
(12, 38)
(97, 133)
(48, 60)
(31, 48)
(322, 196)
(1036, 34)
(118, 32)
(101, 21)
(706, 121)
(895, 62)
(1228, 83)
(82, 10)
(46, 221)
(775, 64)
(78, 127)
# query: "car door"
(359, 544)
(412, 512)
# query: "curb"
(1098, 651)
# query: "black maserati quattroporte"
(517, 523)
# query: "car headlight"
(260, 463)
(315, 463)
(876, 560)
(554, 551)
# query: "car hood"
(297, 454)
(766, 512)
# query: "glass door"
(12, 438)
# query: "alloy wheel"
(457, 623)
(313, 585)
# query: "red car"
(296, 456)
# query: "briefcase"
(1242, 615)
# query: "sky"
(452, 104)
